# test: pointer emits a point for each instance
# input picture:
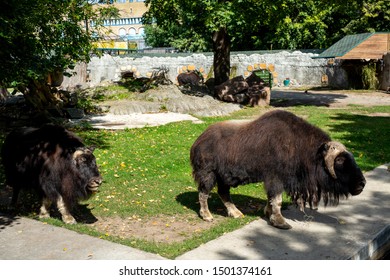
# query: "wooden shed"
(354, 52)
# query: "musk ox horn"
(332, 150)
(78, 153)
(82, 150)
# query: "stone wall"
(299, 67)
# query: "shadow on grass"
(367, 137)
(29, 204)
(249, 206)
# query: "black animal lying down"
(54, 162)
(280, 149)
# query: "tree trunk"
(221, 49)
(4, 94)
(40, 96)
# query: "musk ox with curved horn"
(282, 150)
(54, 162)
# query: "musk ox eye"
(339, 161)
(81, 159)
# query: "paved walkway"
(358, 228)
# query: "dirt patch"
(168, 228)
(281, 97)
(162, 229)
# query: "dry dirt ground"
(161, 229)
(169, 229)
(282, 97)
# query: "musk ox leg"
(204, 207)
(206, 181)
(67, 218)
(44, 210)
(273, 213)
(224, 194)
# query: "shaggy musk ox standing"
(280, 149)
(55, 163)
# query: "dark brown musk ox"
(283, 151)
(192, 78)
(55, 163)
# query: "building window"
(132, 31)
(122, 32)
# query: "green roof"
(344, 45)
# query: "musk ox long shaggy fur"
(282, 150)
(54, 162)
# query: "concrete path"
(359, 228)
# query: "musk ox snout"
(94, 184)
(359, 185)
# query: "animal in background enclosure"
(54, 162)
(190, 78)
(282, 150)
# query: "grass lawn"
(148, 199)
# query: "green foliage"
(366, 16)
(189, 25)
(277, 24)
(369, 78)
(40, 37)
(299, 24)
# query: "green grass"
(147, 172)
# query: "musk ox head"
(342, 168)
(86, 165)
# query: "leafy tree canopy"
(266, 24)
(42, 36)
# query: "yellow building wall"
(129, 23)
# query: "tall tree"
(206, 23)
(42, 37)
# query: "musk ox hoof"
(279, 222)
(235, 214)
(206, 216)
(283, 226)
(69, 220)
(44, 215)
